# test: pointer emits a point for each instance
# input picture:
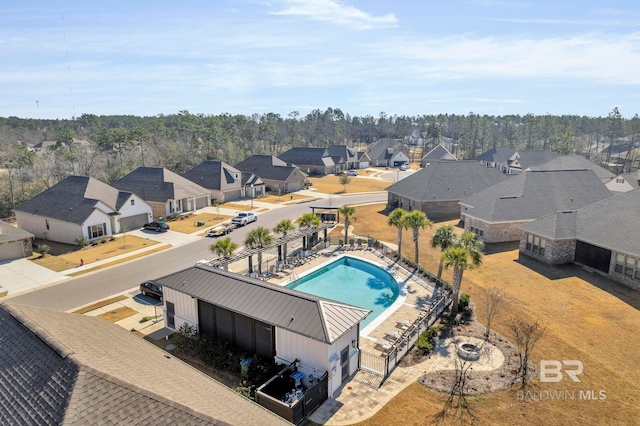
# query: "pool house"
(319, 336)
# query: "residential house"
(81, 206)
(224, 182)
(312, 161)
(252, 185)
(14, 242)
(510, 161)
(496, 213)
(632, 179)
(267, 319)
(344, 156)
(61, 368)
(602, 236)
(276, 174)
(439, 153)
(437, 189)
(364, 161)
(165, 191)
(388, 153)
(615, 183)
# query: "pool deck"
(361, 396)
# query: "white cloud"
(337, 13)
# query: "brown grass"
(99, 304)
(235, 206)
(117, 262)
(187, 226)
(118, 314)
(91, 254)
(274, 198)
(587, 317)
(331, 185)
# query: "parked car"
(352, 173)
(340, 173)
(244, 218)
(404, 167)
(158, 226)
(149, 288)
(221, 229)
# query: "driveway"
(22, 274)
(396, 175)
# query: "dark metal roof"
(311, 316)
(447, 181)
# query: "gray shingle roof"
(267, 167)
(533, 194)
(158, 184)
(347, 154)
(9, 233)
(380, 150)
(317, 318)
(210, 174)
(573, 162)
(632, 178)
(74, 199)
(611, 223)
(301, 156)
(534, 157)
(438, 153)
(447, 181)
(59, 368)
(498, 154)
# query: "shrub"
(103, 240)
(82, 241)
(42, 249)
(464, 301)
(424, 342)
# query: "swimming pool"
(354, 282)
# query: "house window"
(543, 244)
(46, 222)
(619, 263)
(133, 202)
(631, 265)
(96, 231)
(529, 241)
(536, 244)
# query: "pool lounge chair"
(384, 344)
(393, 334)
(404, 324)
(352, 245)
(359, 243)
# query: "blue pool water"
(354, 282)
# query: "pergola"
(309, 239)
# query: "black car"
(158, 226)
(149, 288)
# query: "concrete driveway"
(21, 275)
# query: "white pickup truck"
(244, 218)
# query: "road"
(104, 283)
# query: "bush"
(82, 241)
(42, 249)
(424, 342)
(464, 301)
(103, 240)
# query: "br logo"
(552, 371)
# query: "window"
(543, 244)
(481, 232)
(46, 222)
(97, 231)
(133, 202)
(619, 263)
(529, 241)
(536, 244)
(631, 265)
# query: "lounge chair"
(384, 344)
(370, 244)
(394, 335)
(404, 324)
(341, 244)
(359, 243)
(352, 245)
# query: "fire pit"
(468, 351)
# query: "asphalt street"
(97, 285)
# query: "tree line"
(112, 146)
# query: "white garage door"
(133, 222)
(11, 250)
(202, 202)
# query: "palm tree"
(417, 220)
(348, 213)
(444, 237)
(223, 247)
(283, 227)
(396, 218)
(465, 253)
(258, 238)
(308, 220)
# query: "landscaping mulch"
(118, 314)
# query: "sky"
(60, 59)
